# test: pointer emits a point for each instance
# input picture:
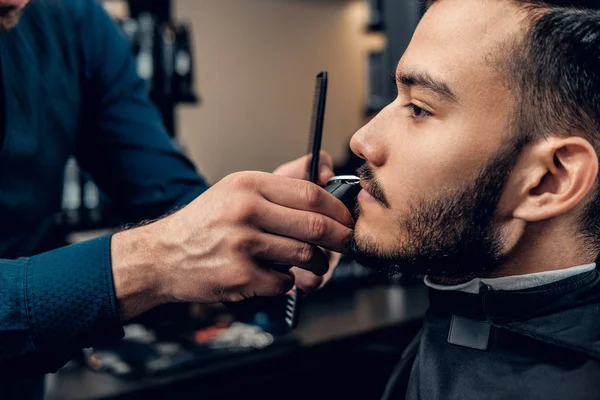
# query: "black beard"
(451, 237)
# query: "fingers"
(286, 251)
(307, 282)
(299, 168)
(301, 195)
(325, 160)
(325, 168)
(305, 226)
(324, 176)
(270, 283)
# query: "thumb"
(325, 168)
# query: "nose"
(367, 143)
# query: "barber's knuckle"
(244, 209)
(230, 180)
(285, 284)
(311, 284)
(243, 180)
(317, 228)
(312, 196)
(243, 242)
(306, 254)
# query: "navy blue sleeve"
(53, 304)
(123, 143)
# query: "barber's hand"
(306, 281)
(298, 168)
(222, 247)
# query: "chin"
(369, 253)
(378, 233)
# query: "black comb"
(316, 126)
(292, 304)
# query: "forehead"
(458, 40)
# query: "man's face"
(10, 11)
(438, 157)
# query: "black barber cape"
(539, 343)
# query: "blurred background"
(254, 68)
(234, 81)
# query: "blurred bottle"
(71, 202)
(131, 29)
(91, 202)
(183, 78)
(165, 72)
(145, 59)
(163, 54)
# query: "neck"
(545, 247)
(540, 247)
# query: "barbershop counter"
(345, 346)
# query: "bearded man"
(482, 176)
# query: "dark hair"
(559, 84)
(554, 71)
(582, 4)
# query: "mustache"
(374, 187)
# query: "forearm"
(136, 275)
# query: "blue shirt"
(70, 87)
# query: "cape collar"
(517, 282)
(564, 313)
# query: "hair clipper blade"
(345, 188)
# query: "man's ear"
(555, 176)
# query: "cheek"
(431, 158)
(422, 160)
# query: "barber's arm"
(231, 243)
(124, 145)
(224, 246)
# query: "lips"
(365, 187)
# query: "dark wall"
(400, 20)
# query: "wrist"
(136, 277)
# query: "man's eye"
(417, 112)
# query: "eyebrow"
(427, 82)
